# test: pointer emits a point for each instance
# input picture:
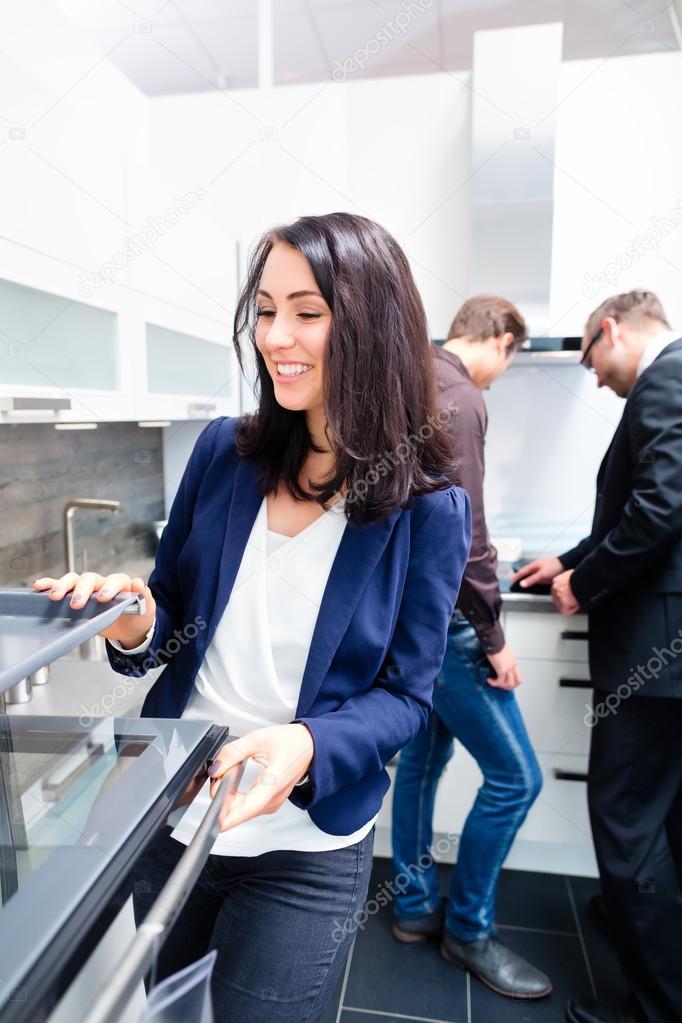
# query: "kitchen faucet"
(93, 649)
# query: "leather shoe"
(496, 966)
(418, 928)
(602, 1010)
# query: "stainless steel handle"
(55, 784)
(34, 404)
(109, 1003)
(200, 408)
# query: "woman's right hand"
(128, 630)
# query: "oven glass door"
(77, 805)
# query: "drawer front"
(547, 636)
(555, 698)
(560, 812)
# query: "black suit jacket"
(628, 572)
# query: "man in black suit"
(627, 575)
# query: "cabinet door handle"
(575, 683)
(573, 634)
(200, 408)
(562, 775)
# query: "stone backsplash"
(42, 468)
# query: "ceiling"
(177, 46)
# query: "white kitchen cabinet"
(185, 375)
(556, 835)
(118, 355)
(554, 705)
(56, 350)
(546, 635)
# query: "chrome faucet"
(93, 649)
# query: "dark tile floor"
(542, 916)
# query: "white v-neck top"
(252, 671)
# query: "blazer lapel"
(244, 504)
(356, 558)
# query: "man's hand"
(285, 753)
(506, 668)
(562, 594)
(540, 571)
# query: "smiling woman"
(341, 341)
(323, 543)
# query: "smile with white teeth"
(292, 369)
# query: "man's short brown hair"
(485, 316)
(629, 307)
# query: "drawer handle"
(562, 775)
(575, 683)
(573, 634)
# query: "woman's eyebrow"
(294, 294)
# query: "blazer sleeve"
(572, 558)
(361, 736)
(652, 517)
(163, 581)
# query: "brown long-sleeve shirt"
(479, 596)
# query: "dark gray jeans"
(282, 924)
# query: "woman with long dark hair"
(321, 543)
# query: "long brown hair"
(383, 423)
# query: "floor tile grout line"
(344, 983)
(396, 1015)
(574, 908)
(537, 930)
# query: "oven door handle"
(111, 1000)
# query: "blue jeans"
(282, 924)
(487, 721)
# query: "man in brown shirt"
(473, 701)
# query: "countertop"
(528, 602)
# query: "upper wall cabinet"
(60, 359)
(69, 354)
(186, 376)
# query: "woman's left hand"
(284, 752)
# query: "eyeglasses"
(583, 361)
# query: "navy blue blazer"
(378, 642)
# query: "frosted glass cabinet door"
(189, 375)
(47, 341)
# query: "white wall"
(397, 149)
(618, 154)
(392, 149)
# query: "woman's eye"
(264, 312)
(309, 316)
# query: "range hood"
(515, 86)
